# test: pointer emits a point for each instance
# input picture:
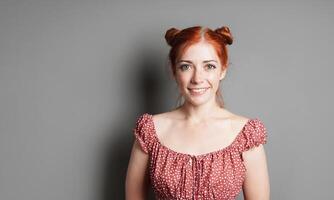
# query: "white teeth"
(199, 90)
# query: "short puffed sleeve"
(143, 132)
(255, 133)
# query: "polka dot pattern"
(215, 175)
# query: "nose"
(197, 77)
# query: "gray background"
(75, 75)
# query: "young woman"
(200, 150)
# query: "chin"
(198, 101)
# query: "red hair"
(181, 40)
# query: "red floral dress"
(215, 175)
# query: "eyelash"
(213, 67)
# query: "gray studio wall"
(74, 75)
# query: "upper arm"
(256, 185)
(137, 179)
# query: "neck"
(198, 114)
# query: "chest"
(176, 176)
(199, 139)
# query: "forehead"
(200, 51)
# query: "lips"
(197, 91)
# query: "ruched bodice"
(215, 175)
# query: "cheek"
(182, 80)
(214, 78)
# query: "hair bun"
(226, 34)
(170, 35)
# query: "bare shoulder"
(163, 121)
(169, 115)
(237, 121)
(160, 118)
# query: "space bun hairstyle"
(226, 34)
(181, 40)
(171, 35)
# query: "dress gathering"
(215, 175)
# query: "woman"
(200, 150)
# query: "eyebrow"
(205, 61)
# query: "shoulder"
(163, 121)
(254, 134)
(144, 131)
(237, 121)
(164, 117)
(252, 130)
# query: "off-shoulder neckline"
(221, 150)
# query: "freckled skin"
(199, 74)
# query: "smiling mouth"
(197, 91)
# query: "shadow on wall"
(147, 85)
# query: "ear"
(222, 75)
